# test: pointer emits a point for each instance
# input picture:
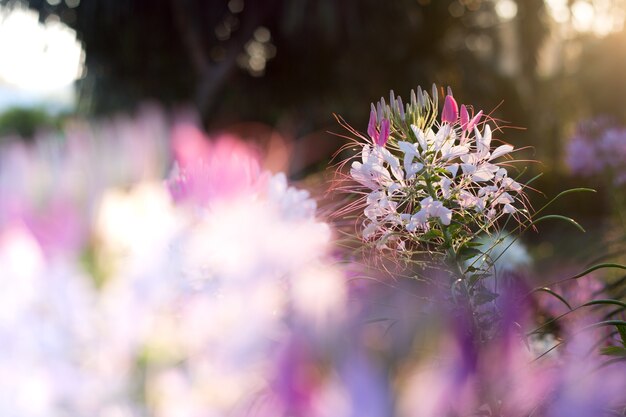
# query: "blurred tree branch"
(212, 76)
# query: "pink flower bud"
(381, 140)
(371, 126)
(464, 117)
(450, 110)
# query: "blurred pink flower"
(208, 170)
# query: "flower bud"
(450, 110)
(382, 138)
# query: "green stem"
(460, 281)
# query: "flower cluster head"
(598, 147)
(432, 180)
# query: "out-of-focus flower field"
(206, 210)
(150, 270)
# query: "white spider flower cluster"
(430, 182)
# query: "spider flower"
(432, 181)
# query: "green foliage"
(25, 122)
(555, 295)
(621, 328)
(614, 351)
(558, 217)
(596, 267)
(483, 296)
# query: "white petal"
(456, 151)
(445, 184)
(468, 169)
(365, 153)
(514, 186)
(394, 164)
(393, 188)
(467, 199)
(482, 174)
(480, 205)
(410, 152)
(442, 138)
(445, 215)
(509, 209)
(504, 198)
(370, 230)
(426, 202)
(421, 137)
(408, 147)
(413, 169)
(501, 150)
(453, 169)
(483, 141)
(374, 196)
(420, 217)
(372, 212)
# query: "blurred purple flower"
(589, 385)
(581, 157)
(598, 147)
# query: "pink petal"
(475, 120)
(189, 144)
(211, 170)
(450, 110)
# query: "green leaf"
(622, 332)
(605, 302)
(432, 234)
(562, 193)
(596, 267)
(533, 179)
(559, 217)
(605, 323)
(484, 296)
(474, 278)
(554, 294)
(613, 351)
(468, 253)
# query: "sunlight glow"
(584, 15)
(506, 9)
(35, 56)
(599, 17)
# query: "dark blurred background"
(540, 65)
